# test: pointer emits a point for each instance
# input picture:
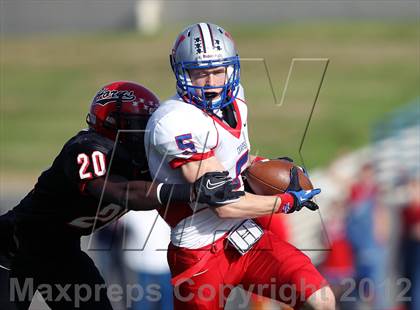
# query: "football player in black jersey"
(100, 174)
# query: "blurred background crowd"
(362, 146)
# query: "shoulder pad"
(86, 156)
(180, 130)
(89, 141)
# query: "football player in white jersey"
(203, 128)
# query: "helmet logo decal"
(201, 37)
(105, 96)
(217, 46)
(197, 45)
(150, 106)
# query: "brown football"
(271, 177)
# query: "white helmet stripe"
(207, 41)
(211, 35)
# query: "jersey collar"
(236, 132)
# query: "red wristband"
(287, 201)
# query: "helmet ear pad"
(90, 119)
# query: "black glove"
(215, 188)
(302, 198)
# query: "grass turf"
(47, 83)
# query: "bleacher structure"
(395, 154)
(396, 144)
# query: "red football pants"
(272, 268)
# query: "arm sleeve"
(138, 195)
(181, 140)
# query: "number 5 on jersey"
(185, 144)
(98, 161)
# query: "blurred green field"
(47, 83)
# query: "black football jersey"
(59, 202)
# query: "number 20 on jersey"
(98, 161)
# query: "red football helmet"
(121, 105)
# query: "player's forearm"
(154, 196)
(132, 195)
(250, 206)
(138, 195)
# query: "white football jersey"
(178, 133)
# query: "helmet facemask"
(131, 127)
(131, 134)
(197, 94)
(133, 130)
